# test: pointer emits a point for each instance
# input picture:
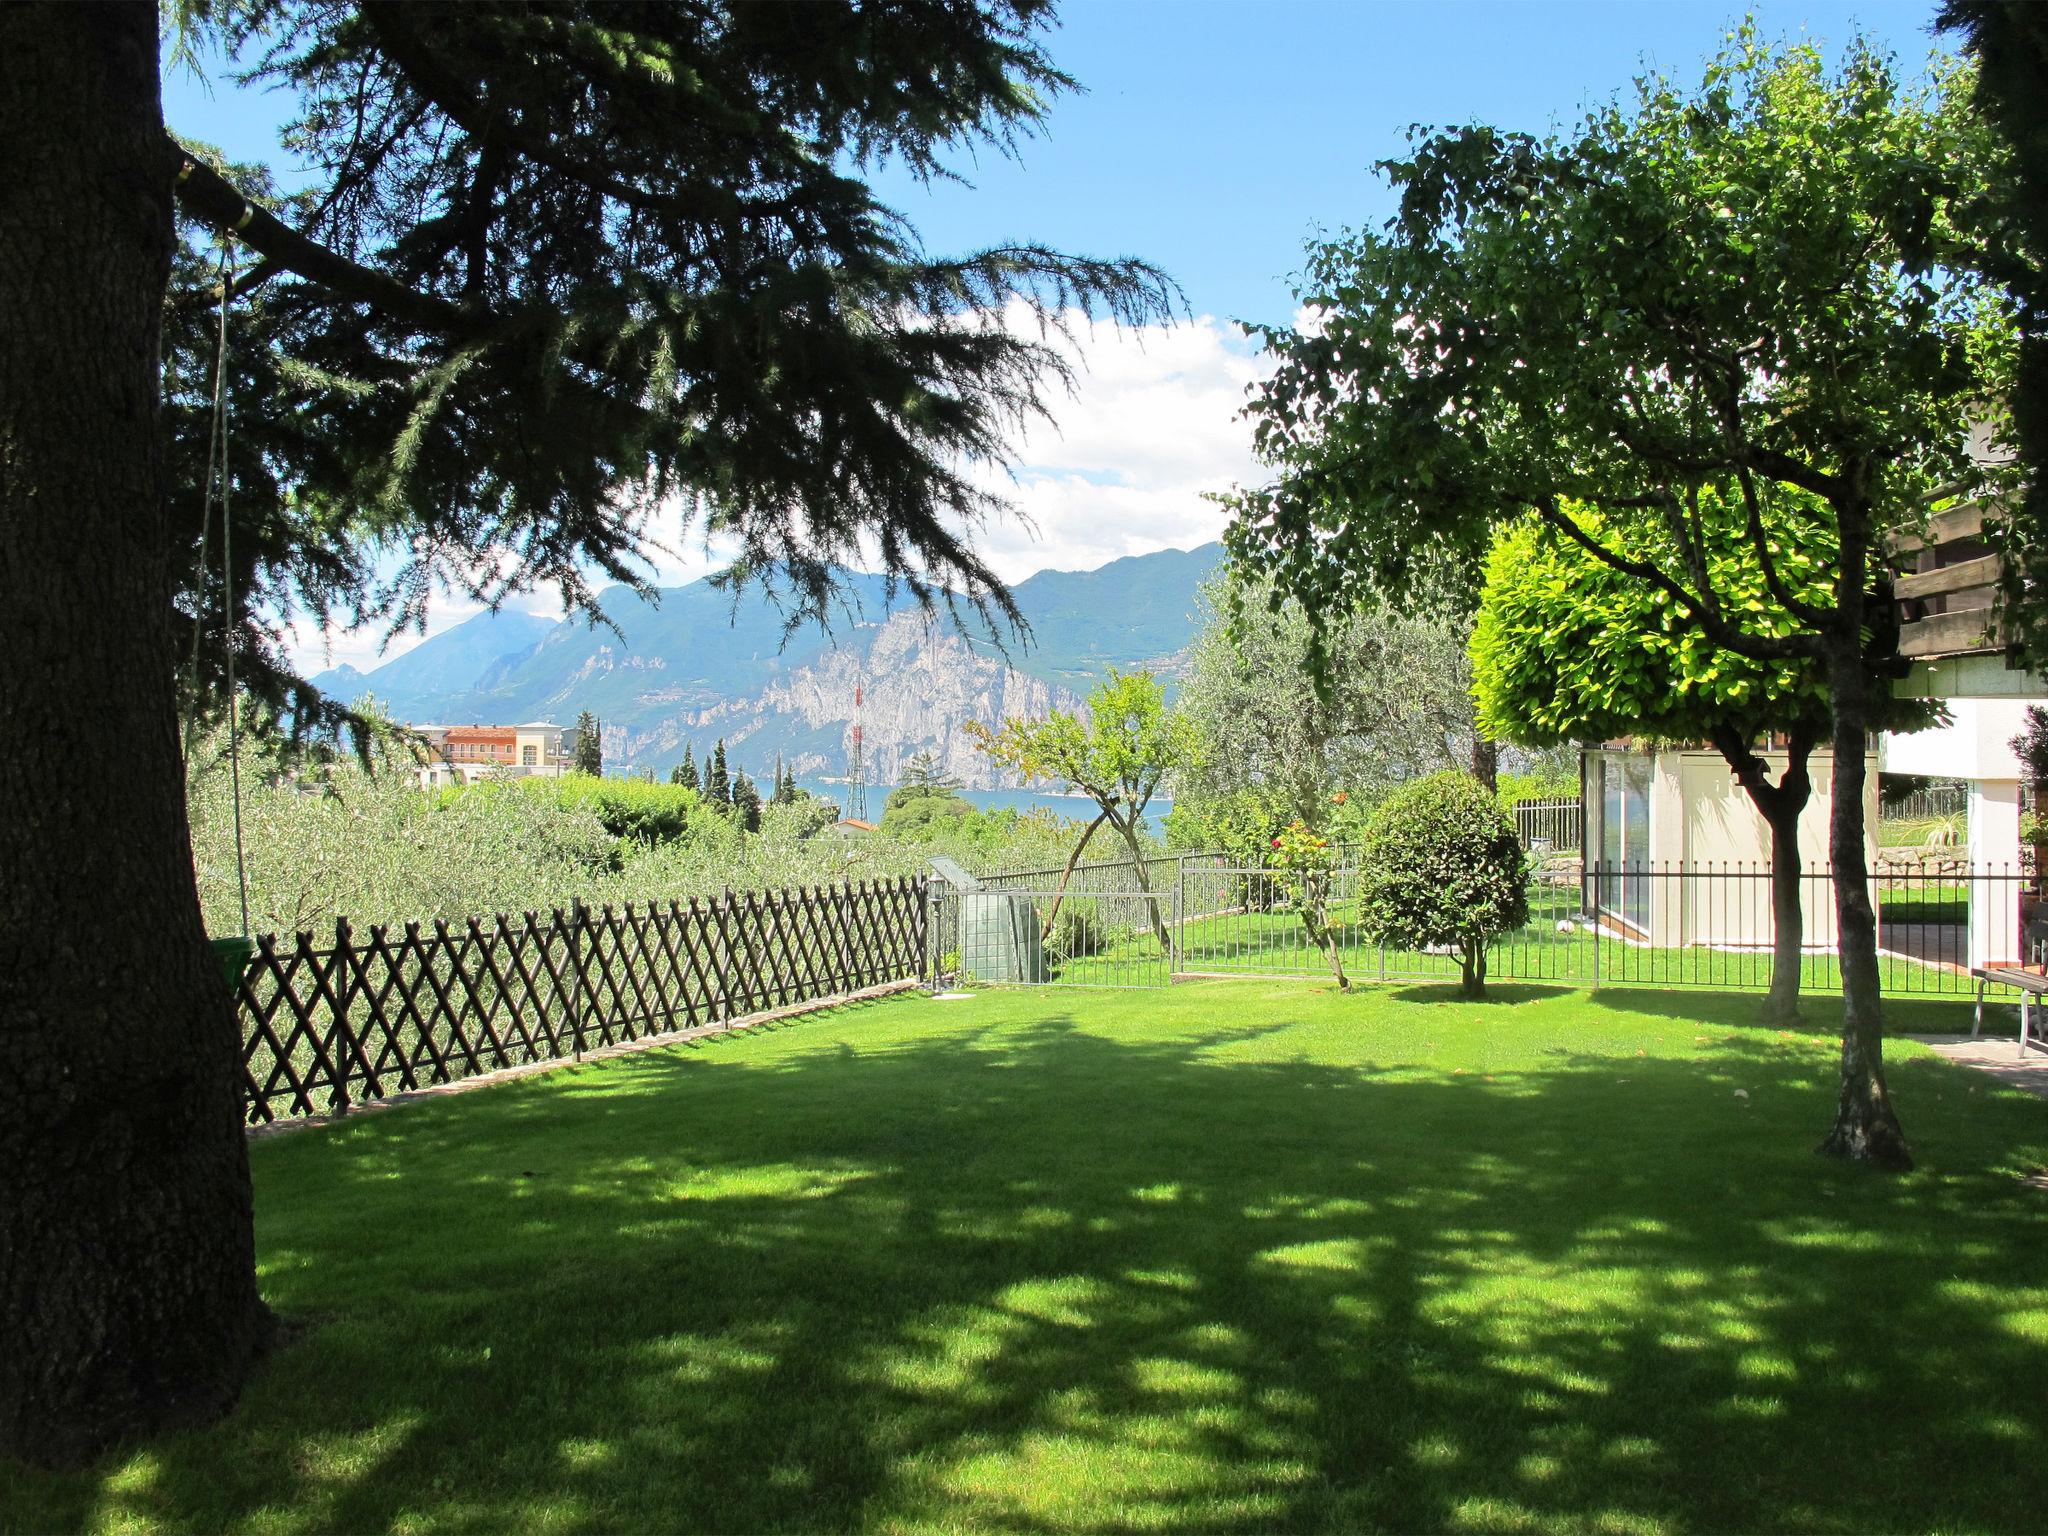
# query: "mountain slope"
(694, 666)
(413, 685)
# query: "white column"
(1995, 861)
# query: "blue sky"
(1214, 139)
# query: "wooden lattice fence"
(391, 1010)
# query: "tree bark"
(1472, 968)
(127, 1258)
(1866, 1127)
(1127, 827)
(1067, 875)
(1486, 762)
(1780, 805)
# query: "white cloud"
(1121, 469)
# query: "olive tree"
(1396, 702)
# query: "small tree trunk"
(1486, 762)
(1866, 1127)
(1315, 917)
(1780, 805)
(127, 1256)
(1472, 965)
(1127, 825)
(1067, 876)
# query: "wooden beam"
(1950, 634)
(1981, 572)
(1964, 522)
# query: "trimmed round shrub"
(1441, 867)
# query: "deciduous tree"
(1758, 287)
(1130, 744)
(1569, 648)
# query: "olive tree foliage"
(560, 267)
(1441, 867)
(1120, 756)
(1752, 288)
(1397, 704)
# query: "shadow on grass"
(1498, 993)
(1025, 1275)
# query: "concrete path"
(1998, 1055)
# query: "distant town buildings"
(462, 754)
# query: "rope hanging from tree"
(217, 480)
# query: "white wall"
(1702, 819)
(1975, 744)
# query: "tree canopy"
(2009, 40)
(1397, 703)
(560, 269)
(1761, 286)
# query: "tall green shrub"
(1441, 866)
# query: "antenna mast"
(857, 778)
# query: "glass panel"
(1636, 843)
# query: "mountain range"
(690, 665)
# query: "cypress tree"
(717, 781)
(746, 800)
(686, 772)
(589, 757)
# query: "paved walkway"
(1998, 1055)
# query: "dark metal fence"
(391, 1010)
(1637, 925)
(1939, 800)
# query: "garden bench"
(2030, 980)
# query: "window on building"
(529, 757)
(1625, 837)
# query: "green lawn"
(1235, 1256)
(1274, 943)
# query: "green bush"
(630, 808)
(1441, 866)
(918, 812)
(1543, 784)
(1078, 929)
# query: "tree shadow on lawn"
(1031, 1275)
(1502, 994)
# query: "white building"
(1959, 660)
(1676, 852)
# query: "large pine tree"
(562, 265)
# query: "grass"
(1274, 943)
(1245, 1255)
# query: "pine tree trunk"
(1866, 1128)
(128, 1297)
